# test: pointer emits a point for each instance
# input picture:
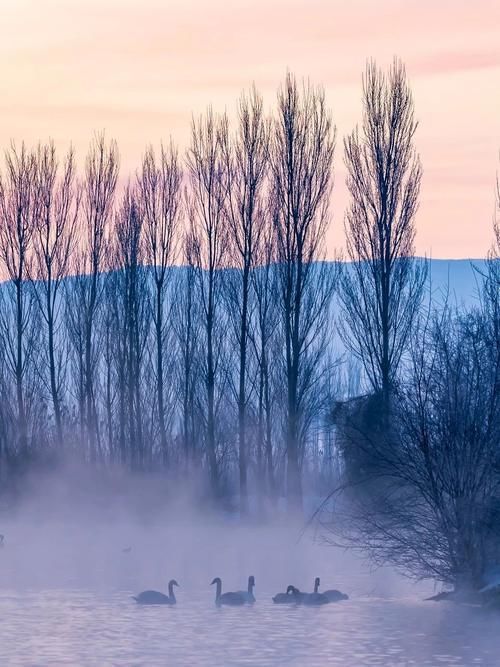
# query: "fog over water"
(75, 554)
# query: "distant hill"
(458, 277)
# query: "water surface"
(65, 600)
(106, 627)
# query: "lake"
(65, 592)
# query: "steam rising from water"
(71, 530)
(66, 577)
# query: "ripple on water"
(85, 627)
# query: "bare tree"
(114, 368)
(208, 193)
(301, 156)
(129, 253)
(490, 293)
(263, 333)
(160, 188)
(54, 240)
(433, 510)
(186, 317)
(74, 294)
(246, 167)
(101, 173)
(17, 209)
(382, 289)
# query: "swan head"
(216, 581)
(173, 582)
(316, 583)
(291, 589)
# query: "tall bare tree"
(114, 367)
(18, 212)
(301, 157)
(129, 254)
(209, 183)
(382, 288)
(186, 316)
(101, 173)
(160, 188)
(490, 292)
(246, 167)
(54, 240)
(262, 335)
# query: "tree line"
(187, 321)
(174, 322)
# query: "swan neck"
(171, 593)
(218, 590)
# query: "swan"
(248, 594)
(234, 599)
(292, 596)
(155, 597)
(332, 594)
(314, 599)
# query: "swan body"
(232, 599)
(248, 594)
(292, 596)
(313, 599)
(155, 597)
(334, 595)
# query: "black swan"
(332, 594)
(248, 594)
(155, 597)
(233, 599)
(292, 596)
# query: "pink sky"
(140, 68)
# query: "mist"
(117, 528)
(77, 549)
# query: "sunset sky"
(140, 68)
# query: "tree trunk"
(159, 372)
(242, 396)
